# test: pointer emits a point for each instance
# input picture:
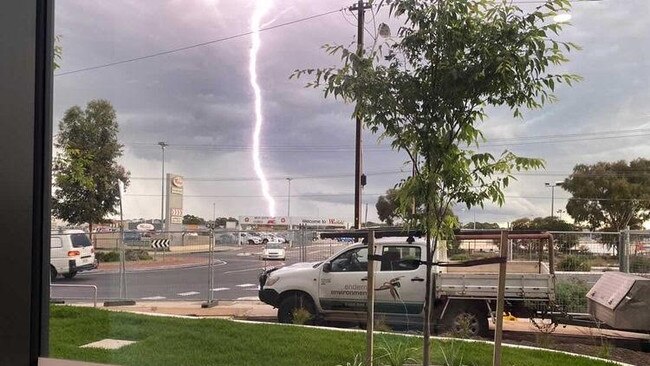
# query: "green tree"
(565, 242)
(387, 207)
(543, 223)
(481, 225)
(609, 196)
(193, 220)
(85, 170)
(426, 90)
(221, 221)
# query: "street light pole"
(163, 145)
(552, 186)
(289, 199)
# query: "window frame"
(26, 34)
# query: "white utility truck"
(335, 290)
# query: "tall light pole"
(552, 186)
(163, 145)
(289, 199)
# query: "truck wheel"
(293, 303)
(70, 275)
(52, 274)
(465, 320)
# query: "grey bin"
(622, 301)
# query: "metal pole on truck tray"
(498, 332)
(370, 324)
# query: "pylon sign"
(174, 216)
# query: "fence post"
(626, 250)
(303, 239)
(370, 301)
(210, 302)
(498, 332)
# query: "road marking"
(247, 285)
(189, 293)
(154, 298)
(221, 289)
(257, 288)
(244, 270)
(248, 298)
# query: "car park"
(274, 251)
(71, 252)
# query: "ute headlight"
(270, 281)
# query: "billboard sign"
(174, 216)
(284, 221)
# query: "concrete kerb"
(448, 339)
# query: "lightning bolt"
(261, 7)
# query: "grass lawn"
(173, 341)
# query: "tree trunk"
(426, 343)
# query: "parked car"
(250, 238)
(274, 251)
(271, 238)
(131, 236)
(226, 238)
(71, 252)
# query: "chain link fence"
(204, 265)
(224, 264)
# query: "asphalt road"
(235, 277)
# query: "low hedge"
(129, 255)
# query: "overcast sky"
(200, 102)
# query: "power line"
(526, 140)
(313, 195)
(244, 34)
(175, 50)
(242, 179)
(641, 173)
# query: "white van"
(70, 253)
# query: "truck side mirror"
(327, 267)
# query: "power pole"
(360, 7)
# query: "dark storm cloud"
(202, 97)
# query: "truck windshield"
(80, 240)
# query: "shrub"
(574, 263)
(107, 256)
(396, 354)
(129, 255)
(301, 316)
(639, 264)
(136, 255)
(572, 295)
